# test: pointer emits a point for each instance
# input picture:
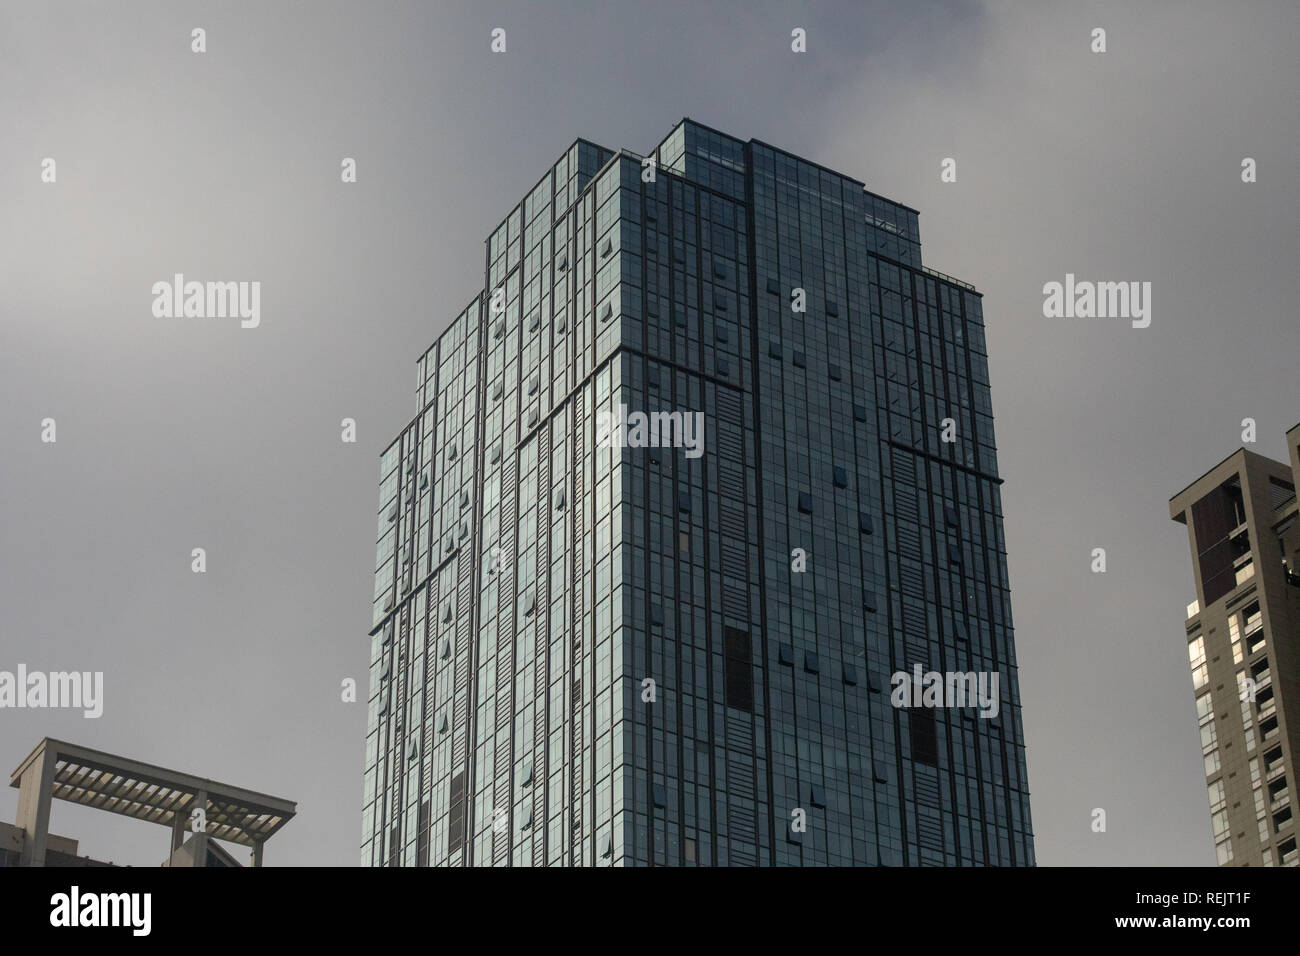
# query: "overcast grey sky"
(181, 434)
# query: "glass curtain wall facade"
(591, 652)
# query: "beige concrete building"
(197, 811)
(1243, 641)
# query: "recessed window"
(805, 502)
(684, 502)
(924, 736)
(444, 651)
(811, 664)
(773, 286)
(606, 248)
(869, 602)
(719, 302)
(785, 655)
(841, 477)
(832, 307)
(850, 675)
(721, 333)
(864, 522)
(562, 262)
(835, 373)
(799, 360)
(738, 661)
(532, 385)
(724, 366)
(817, 796)
(559, 499)
(660, 795)
(950, 516)
(719, 269)
(684, 542)
(656, 615)
(773, 350)
(606, 312)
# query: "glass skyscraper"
(599, 646)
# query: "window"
(850, 675)
(924, 736)
(785, 655)
(832, 307)
(773, 286)
(811, 663)
(456, 813)
(738, 686)
(834, 372)
(805, 503)
(799, 360)
(1196, 654)
(1224, 851)
(841, 477)
(684, 542)
(864, 522)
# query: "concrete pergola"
(104, 781)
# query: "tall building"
(1243, 641)
(604, 638)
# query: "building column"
(199, 840)
(34, 799)
(257, 853)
